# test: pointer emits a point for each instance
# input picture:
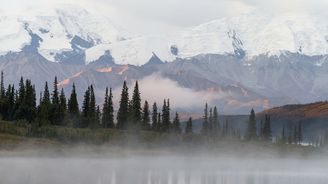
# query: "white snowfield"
(254, 34)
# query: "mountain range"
(251, 61)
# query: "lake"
(162, 170)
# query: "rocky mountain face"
(224, 80)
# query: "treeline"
(54, 109)
(255, 131)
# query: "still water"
(162, 170)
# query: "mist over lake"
(162, 170)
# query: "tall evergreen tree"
(2, 96)
(92, 109)
(73, 105)
(45, 107)
(86, 109)
(55, 93)
(110, 107)
(108, 110)
(19, 106)
(168, 114)
(98, 116)
(2, 87)
(105, 109)
(205, 126)
(73, 108)
(176, 124)
(188, 129)
(159, 123)
(154, 117)
(146, 116)
(9, 103)
(216, 120)
(165, 117)
(166, 123)
(55, 113)
(135, 110)
(123, 111)
(29, 103)
(62, 107)
(251, 129)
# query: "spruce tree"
(136, 114)
(19, 106)
(165, 125)
(146, 117)
(55, 114)
(154, 117)
(251, 128)
(176, 124)
(92, 109)
(2, 97)
(73, 108)
(45, 107)
(62, 107)
(98, 116)
(123, 111)
(73, 105)
(159, 123)
(188, 129)
(205, 126)
(9, 103)
(168, 114)
(29, 102)
(2, 87)
(216, 122)
(105, 110)
(86, 110)
(108, 110)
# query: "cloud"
(154, 88)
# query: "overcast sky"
(149, 16)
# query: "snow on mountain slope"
(56, 27)
(249, 35)
(72, 34)
(135, 51)
(13, 36)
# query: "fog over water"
(162, 170)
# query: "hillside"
(304, 111)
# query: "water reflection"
(160, 171)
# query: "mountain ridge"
(76, 33)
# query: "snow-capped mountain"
(246, 36)
(252, 61)
(73, 34)
(56, 32)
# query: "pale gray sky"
(150, 16)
